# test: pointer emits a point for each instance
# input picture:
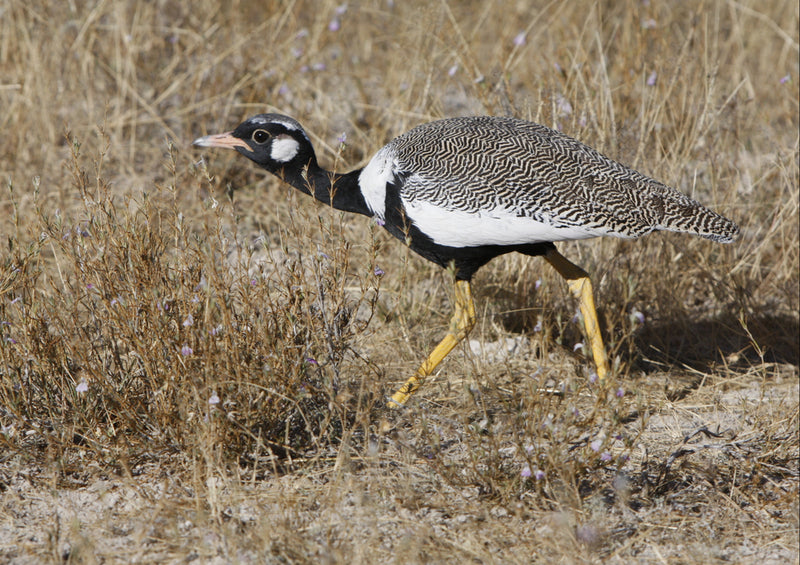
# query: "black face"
(273, 141)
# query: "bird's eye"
(260, 136)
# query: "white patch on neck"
(373, 179)
(458, 228)
(284, 149)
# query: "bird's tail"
(682, 214)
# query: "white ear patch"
(284, 148)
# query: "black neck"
(338, 190)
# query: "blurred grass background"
(185, 335)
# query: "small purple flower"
(651, 80)
(283, 90)
(577, 346)
(596, 445)
(379, 221)
(563, 106)
(576, 318)
(587, 534)
(188, 321)
(786, 79)
(297, 52)
(11, 340)
(620, 392)
(452, 70)
(213, 399)
(538, 474)
(519, 39)
(89, 286)
(538, 326)
(606, 456)
(82, 387)
(215, 330)
(342, 139)
(526, 472)
(334, 25)
(17, 299)
(186, 350)
(593, 378)
(378, 272)
(253, 282)
(638, 316)
(311, 361)
(538, 284)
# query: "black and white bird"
(462, 191)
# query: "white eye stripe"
(284, 148)
(290, 125)
(287, 122)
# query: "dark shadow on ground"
(703, 345)
(683, 341)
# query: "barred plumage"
(462, 191)
(523, 169)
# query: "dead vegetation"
(194, 358)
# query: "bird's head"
(273, 141)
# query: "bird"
(461, 191)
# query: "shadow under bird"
(461, 191)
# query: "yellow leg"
(581, 287)
(460, 325)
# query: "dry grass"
(192, 373)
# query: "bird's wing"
(507, 168)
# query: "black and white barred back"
(463, 179)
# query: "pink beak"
(221, 140)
